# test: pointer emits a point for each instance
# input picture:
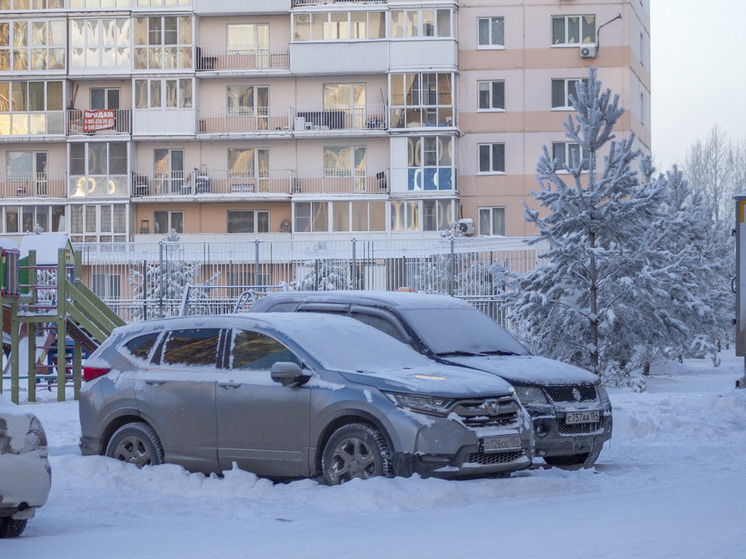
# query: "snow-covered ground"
(671, 483)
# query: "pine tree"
(584, 305)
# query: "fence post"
(144, 290)
(452, 278)
(354, 265)
(256, 262)
(160, 268)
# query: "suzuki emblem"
(576, 394)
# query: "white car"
(25, 475)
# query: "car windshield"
(466, 331)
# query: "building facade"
(122, 120)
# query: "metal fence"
(149, 279)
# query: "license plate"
(576, 417)
(496, 444)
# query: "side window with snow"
(385, 325)
(254, 351)
(194, 346)
(141, 346)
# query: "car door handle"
(229, 385)
(155, 382)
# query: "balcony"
(245, 121)
(306, 3)
(339, 57)
(341, 181)
(109, 122)
(433, 54)
(260, 184)
(243, 59)
(309, 120)
(33, 185)
(234, 7)
(323, 118)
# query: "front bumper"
(553, 437)
(468, 462)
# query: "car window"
(386, 325)
(195, 346)
(257, 351)
(141, 346)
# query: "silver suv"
(288, 396)
(569, 406)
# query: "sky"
(698, 72)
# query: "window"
(100, 42)
(248, 169)
(192, 347)
(167, 221)
(421, 100)
(26, 173)
(642, 48)
(163, 43)
(311, 217)
(104, 98)
(168, 93)
(168, 171)
(420, 23)
(36, 5)
(405, 215)
(345, 162)
(98, 169)
(247, 100)
(31, 107)
(346, 99)
(362, 216)
(491, 158)
(430, 163)
(491, 95)
(642, 107)
(573, 30)
(561, 91)
(490, 32)
(93, 223)
(255, 351)
(32, 45)
(331, 26)
(22, 219)
(492, 221)
(437, 215)
(569, 154)
(248, 221)
(142, 345)
(249, 39)
(107, 286)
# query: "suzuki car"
(569, 406)
(25, 475)
(288, 396)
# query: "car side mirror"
(288, 374)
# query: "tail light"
(90, 373)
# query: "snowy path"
(670, 484)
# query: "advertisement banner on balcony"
(101, 119)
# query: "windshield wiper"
(457, 354)
(497, 352)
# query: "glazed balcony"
(33, 185)
(210, 183)
(107, 122)
(242, 59)
(341, 181)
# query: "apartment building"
(124, 119)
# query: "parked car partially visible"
(25, 475)
(569, 406)
(288, 396)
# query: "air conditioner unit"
(466, 225)
(587, 51)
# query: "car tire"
(356, 450)
(137, 444)
(586, 459)
(11, 528)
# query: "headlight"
(426, 404)
(601, 391)
(530, 395)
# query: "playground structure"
(43, 299)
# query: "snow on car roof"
(404, 300)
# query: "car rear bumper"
(24, 484)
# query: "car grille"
(569, 393)
(487, 412)
(579, 429)
(493, 458)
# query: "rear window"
(141, 346)
(197, 346)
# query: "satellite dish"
(285, 226)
